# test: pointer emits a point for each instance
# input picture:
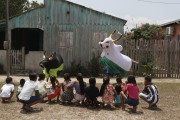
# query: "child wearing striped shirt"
(150, 93)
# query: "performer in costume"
(52, 64)
(112, 56)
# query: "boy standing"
(25, 96)
(150, 93)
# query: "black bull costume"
(52, 65)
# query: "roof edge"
(171, 22)
(125, 21)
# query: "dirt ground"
(168, 106)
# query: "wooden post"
(168, 56)
(7, 39)
(23, 57)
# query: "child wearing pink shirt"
(132, 89)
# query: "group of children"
(113, 95)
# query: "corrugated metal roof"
(70, 3)
(96, 10)
(3, 21)
(171, 22)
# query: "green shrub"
(74, 69)
(148, 67)
(94, 68)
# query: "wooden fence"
(158, 57)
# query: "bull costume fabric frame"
(52, 65)
(112, 57)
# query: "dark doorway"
(2, 39)
(31, 38)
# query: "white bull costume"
(113, 58)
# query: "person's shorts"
(91, 102)
(79, 97)
(56, 93)
(67, 96)
(31, 100)
(148, 98)
(131, 101)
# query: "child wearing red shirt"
(53, 89)
(132, 97)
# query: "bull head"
(108, 41)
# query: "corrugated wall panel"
(54, 19)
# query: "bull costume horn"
(110, 36)
(118, 37)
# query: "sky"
(136, 12)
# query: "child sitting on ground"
(19, 89)
(67, 95)
(42, 85)
(79, 86)
(132, 97)
(107, 92)
(91, 93)
(118, 96)
(53, 89)
(119, 87)
(150, 93)
(7, 90)
(25, 97)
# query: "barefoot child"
(7, 90)
(150, 93)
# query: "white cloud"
(164, 21)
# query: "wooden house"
(62, 26)
(172, 29)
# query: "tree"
(16, 7)
(146, 32)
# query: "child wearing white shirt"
(7, 90)
(25, 97)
